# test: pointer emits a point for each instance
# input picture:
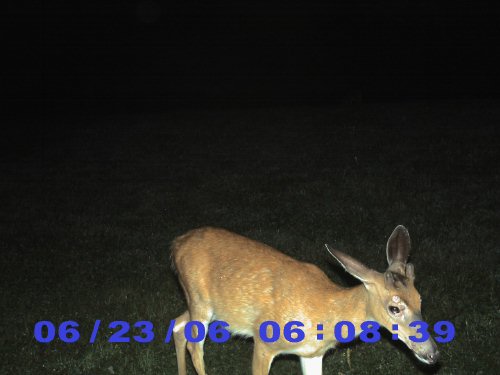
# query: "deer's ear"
(398, 247)
(410, 271)
(354, 267)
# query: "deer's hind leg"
(203, 315)
(180, 342)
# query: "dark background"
(127, 123)
(75, 55)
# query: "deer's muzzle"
(426, 352)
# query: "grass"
(89, 207)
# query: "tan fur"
(228, 277)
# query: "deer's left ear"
(353, 266)
(398, 249)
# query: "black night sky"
(127, 123)
(195, 52)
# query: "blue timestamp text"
(218, 331)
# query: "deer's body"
(231, 278)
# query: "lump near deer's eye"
(394, 310)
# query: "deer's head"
(393, 300)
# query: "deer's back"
(243, 281)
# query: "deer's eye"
(394, 310)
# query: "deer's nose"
(432, 357)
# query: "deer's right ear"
(398, 249)
(353, 266)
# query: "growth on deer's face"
(245, 283)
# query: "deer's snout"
(433, 357)
(427, 352)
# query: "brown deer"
(234, 279)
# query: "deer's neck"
(349, 304)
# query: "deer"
(231, 278)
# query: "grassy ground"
(88, 211)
